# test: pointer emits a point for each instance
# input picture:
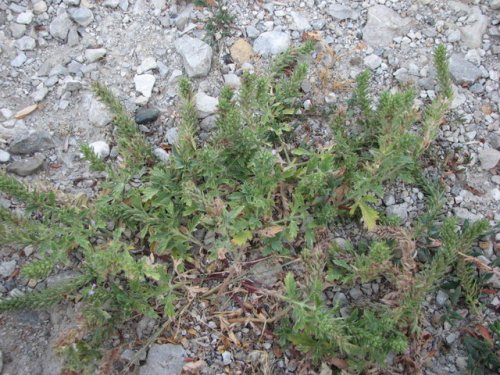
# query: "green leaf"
(369, 215)
(241, 238)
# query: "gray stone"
(389, 200)
(26, 43)
(131, 355)
(161, 154)
(462, 70)
(252, 32)
(205, 105)
(25, 18)
(172, 136)
(384, 25)
(300, 21)
(149, 63)
(82, 16)
(454, 36)
(340, 298)
(61, 278)
(111, 3)
(34, 142)
(232, 80)
(4, 156)
(71, 84)
(144, 84)
(100, 148)
(99, 115)
(183, 17)
(59, 27)
(26, 167)
(451, 338)
(373, 61)
(271, 43)
(6, 268)
(399, 210)
(495, 4)
(494, 281)
(164, 359)
(465, 214)
(40, 7)
(266, 273)
(489, 158)
(342, 12)
(196, 56)
(441, 298)
(17, 30)
(40, 94)
(19, 60)
(472, 34)
(146, 115)
(356, 293)
(94, 54)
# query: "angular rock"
(146, 115)
(111, 3)
(99, 114)
(172, 136)
(19, 60)
(34, 142)
(59, 27)
(40, 94)
(300, 22)
(100, 148)
(232, 80)
(205, 105)
(271, 43)
(196, 56)
(342, 12)
(463, 71)
(465, 214)
(383, 26)
(266, 273)
(472, 34)
(17, 30)
(144, 84)
(149, 63)
(241, 51)
(183, 17)
(164, 359)
(94, 54)
(489, 158)
(6, 268)
(399, 210)
(26, 43)
(26, 167)
(82, 16)
(373, 61)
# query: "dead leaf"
(486, 109)
(194, 367)
(26, 111)
(221, 253)
(194, 290)
(483, 331)
(271, 231)
(339, 363)
(311, 35)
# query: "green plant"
(256, 187)
(219, 24)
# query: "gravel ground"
(51, 51)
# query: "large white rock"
(196, 56)
(144, 84)
(99, 115)
(205, 105)
(94, 54)
(100, 148)
(384, 25)
(271, 43)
